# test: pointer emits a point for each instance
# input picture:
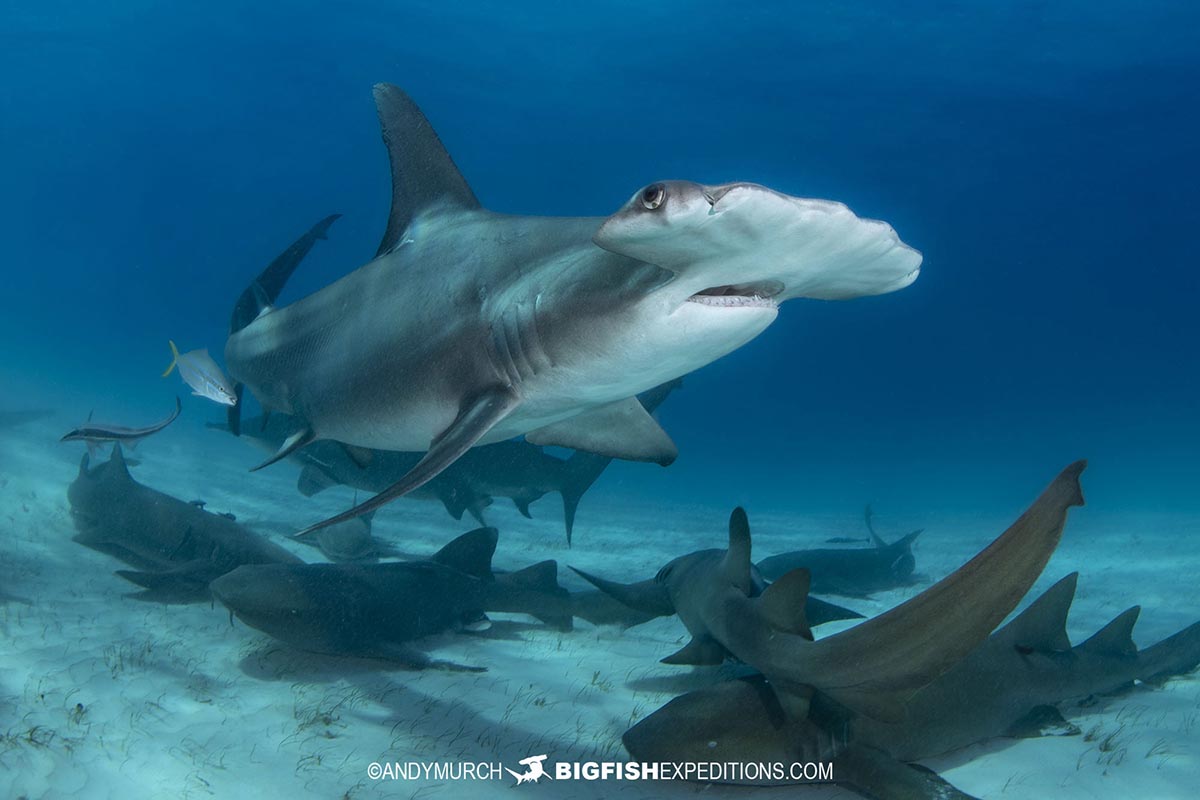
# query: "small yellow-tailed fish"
(200, 372)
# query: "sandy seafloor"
(105, 696)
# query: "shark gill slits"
(653, 196)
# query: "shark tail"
(583, 468)
(534, 591)
(579, 473)
(174, 358)
(648, 597)
(906, 542)
(1176, 655)
(969, 604)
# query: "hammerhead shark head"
(1010, 686)
(471, 327)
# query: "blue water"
(1042, 156)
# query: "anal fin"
(474, 420)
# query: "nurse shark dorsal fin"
(735, 567)
(1115, 638)
(623, 429)
(783, 603)
(1042, 627)
(542, 576)
(423, 174)
(470, 553)
(117, 462)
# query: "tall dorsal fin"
(735, 567)
(1115, 638)
(423, 173)
(1043, 626)
(869, 516)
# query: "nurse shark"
(471, 327)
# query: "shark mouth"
(739, 295)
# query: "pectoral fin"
(875, 774)
(361, 456)
(313, 480)
(289, 446)
(701, 651)
(1042, 721)
(474, 420)
(619, 430)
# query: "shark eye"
(653, 196)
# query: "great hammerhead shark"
(470, 327)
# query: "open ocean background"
(1045, 157)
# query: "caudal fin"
(929, 633)
(1175, 655)
(580, 471)
(174, 359)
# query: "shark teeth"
(733, 300)
(753, 295)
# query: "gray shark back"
(155, 532)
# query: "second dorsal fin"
(423, 173)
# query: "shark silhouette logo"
(534, 770)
